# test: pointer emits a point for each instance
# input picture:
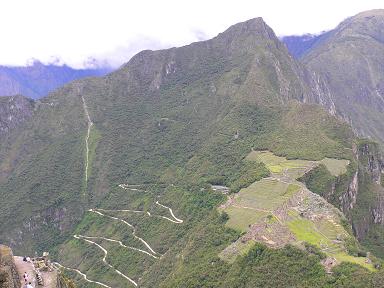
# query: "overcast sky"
(75, 31)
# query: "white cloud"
(76, 30)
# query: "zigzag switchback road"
(150, 251)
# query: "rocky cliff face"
(372, 160)
(14, 110)
(58, 219)
(345, 66)
(363, 199)
(9, 278)
(370, 193)
(348, 199)
(350, 58)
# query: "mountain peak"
(370, 13)
(365, 23)
(254, 24)
(252, 27)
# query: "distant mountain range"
(298, 45)
(38, 79)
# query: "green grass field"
(240, 219)
(323, 235)
(305, 230)
(296, 168)
(280, 165)
(335, 166)
(266, 194)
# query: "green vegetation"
(65, 281)
(247, 174)
(265, 267)
(305, 230)
(321, 181)
(266, 194)
(296, 168)
(335, 166)
(374, 240)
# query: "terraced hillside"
(279, 210)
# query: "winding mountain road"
(150, 251)
(105, 258)
(56, 264)
(120, 243)
(177, 220)
(129, 225)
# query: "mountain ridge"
(355, 78)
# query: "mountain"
(38, 79)
(351, 59)
(124, 177)
(299, 45)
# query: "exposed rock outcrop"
(350, 59)
(57, 219)
(9, 277)
(364, 199)
(372, 160)
(348, 199)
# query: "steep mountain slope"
(37, 80)
(14, 110)
(119, 168)
(351, 58)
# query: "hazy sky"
(76, 31)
